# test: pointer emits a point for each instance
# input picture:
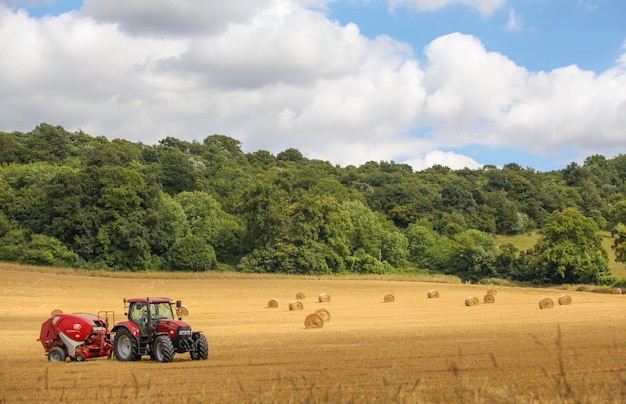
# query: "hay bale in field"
(272, 304)
(432, 294)
(324, 314)
(616, 291)
(389, 298)
(546, 303)
(300, 296)
(182, 311)
(471, 301)
(313, 320)
(489, 298)
(296, 305)
(492, 291)
(324, 298)
(55, 312)
(565, 300)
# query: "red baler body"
(80, 335)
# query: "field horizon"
(415, 349)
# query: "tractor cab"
(146, 313)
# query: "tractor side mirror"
(178, 304)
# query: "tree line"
(71, 199)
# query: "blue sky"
(547, 35)
(462, 83)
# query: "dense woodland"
(72, 199)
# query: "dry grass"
(509, 352)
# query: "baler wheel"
(202, 349)
(125, 346)
(56, 354)
(163, 349)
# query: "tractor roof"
(149, 300)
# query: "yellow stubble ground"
(412, 350)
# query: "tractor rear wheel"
(125, 346)
(163, 349)
(201, 348)
(56, 354)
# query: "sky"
(459, 83)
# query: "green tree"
(570, 250)
(166, 223)
(422, 242)
(394, 248)
(46, 250)
(264, 210)
(473, 256)
(619, 243)
(208, 221)
(191, 253)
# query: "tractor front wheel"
(163, 349)
(125, 346)
(56, 354)
(201, 350)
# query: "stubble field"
(412, 350)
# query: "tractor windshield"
(161, 311)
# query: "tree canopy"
(79, 200)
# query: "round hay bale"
(492, 291)
(489, 298)
(314, 320)
(389, 298)
(182, 311)
(324, 314)
(324, 298)
(565, 300)
(471, 301)
(432, 294)
(300, 296)
(272, 304)
(546, 303)
(616, 291)
(296, 305)
(55, 312)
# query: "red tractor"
(76, 336)
(152, 329)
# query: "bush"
(193, 254)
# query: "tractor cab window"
(161, 311)
(138, 313)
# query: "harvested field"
(424, 350)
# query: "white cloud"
(514, 22)
(448, 159)
(480, 97)
(484, 7)
(166, 17)
(286, 76)
(469, 89)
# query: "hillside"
(71, 199)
